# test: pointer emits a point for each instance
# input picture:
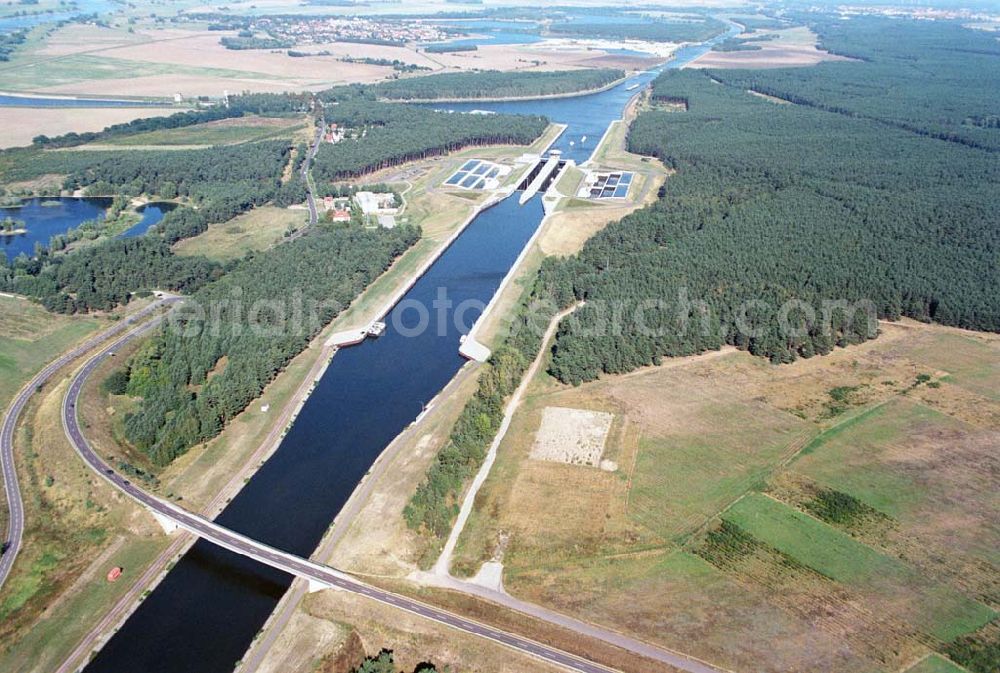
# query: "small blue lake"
(151, 213)
(47, 216)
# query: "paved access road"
(307, 165)
(20, 401)
(318, 575)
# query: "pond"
(44, 217)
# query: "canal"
(204, 615)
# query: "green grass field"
(684, 477)
(254, 230)
(569, 180)
(935, 664)
(815, 544)
(850, 457)
(935, 609)
(210, 134)
(30, 337)
(52, 638)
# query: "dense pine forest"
(103, 276)
(495, 84)
(220, 182)
(774, 202)
(223, 181)
(391, 134)
(28, 163)
(944, 79)
(196, 375)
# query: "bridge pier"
(315, 586)
(472, 349)
(166, 523)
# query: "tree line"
(389, 134)
(940, 73)
(383, 662)
(9, 42)
(241, 42)
(445, 48)
(774, 204)
(496, 84)
(103, 276)
(197, 374)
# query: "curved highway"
(317, 574)
(12, 542)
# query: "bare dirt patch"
(204, 51)
(573, 436)
(306, 642)
(21, 124)
(621, 62)
(568, 230)
(765, 57)
(517, 57)
(76, 38)
(789, 48)
(678, 600)
(414, 640)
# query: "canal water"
(15, 100)
(587, 117)
(206, 612)
(47, 216)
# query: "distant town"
(322, 30)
